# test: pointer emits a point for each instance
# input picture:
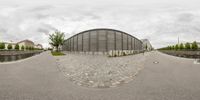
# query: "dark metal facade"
(102, 40)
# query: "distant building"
(38, 46)
(147, 45)
(26, 43)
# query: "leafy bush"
(194, 45)
(2, 45)
(30, 48)
(181, 47)
(187, 46)
(173, 47)
(57, 53)
(17, 47)
(27, 47)
(176, 47)
(123, 53)
(22, 48)
(9, 47)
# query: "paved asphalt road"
(38, 78)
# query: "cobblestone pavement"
(100, 71)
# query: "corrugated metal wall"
(102, 41)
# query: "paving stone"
(100, 71)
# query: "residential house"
(38, 46)
(26, 43)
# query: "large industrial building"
(102, 40)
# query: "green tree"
(168, 48)
(2, 45)
(34, 48)
(172, 47)
(9, 47)
(17, 47)
(194, 45)
(22, 48)
(27, 47)
(176, 47)
(56, 39)
(187, 46)
(30, 48)
(181, 47)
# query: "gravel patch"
(100, 71)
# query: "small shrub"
(30, 48)
(194, 45)
(9, 47)
(187, 46)
(22, 48)
(123, 54)
(17, 47)
(181, 47)
(176, 47)
(2, 45)
(27, 47)
(57, 53)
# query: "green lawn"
(57, 53)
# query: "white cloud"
(161, 24)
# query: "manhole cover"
(155, 62)
(197, 61)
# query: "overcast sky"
(160, 21)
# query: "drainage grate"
(155, 62)
(197, 61)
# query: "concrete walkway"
(38, 78)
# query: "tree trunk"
(57, 49)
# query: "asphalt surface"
(39, 78)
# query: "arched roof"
(97, 29)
